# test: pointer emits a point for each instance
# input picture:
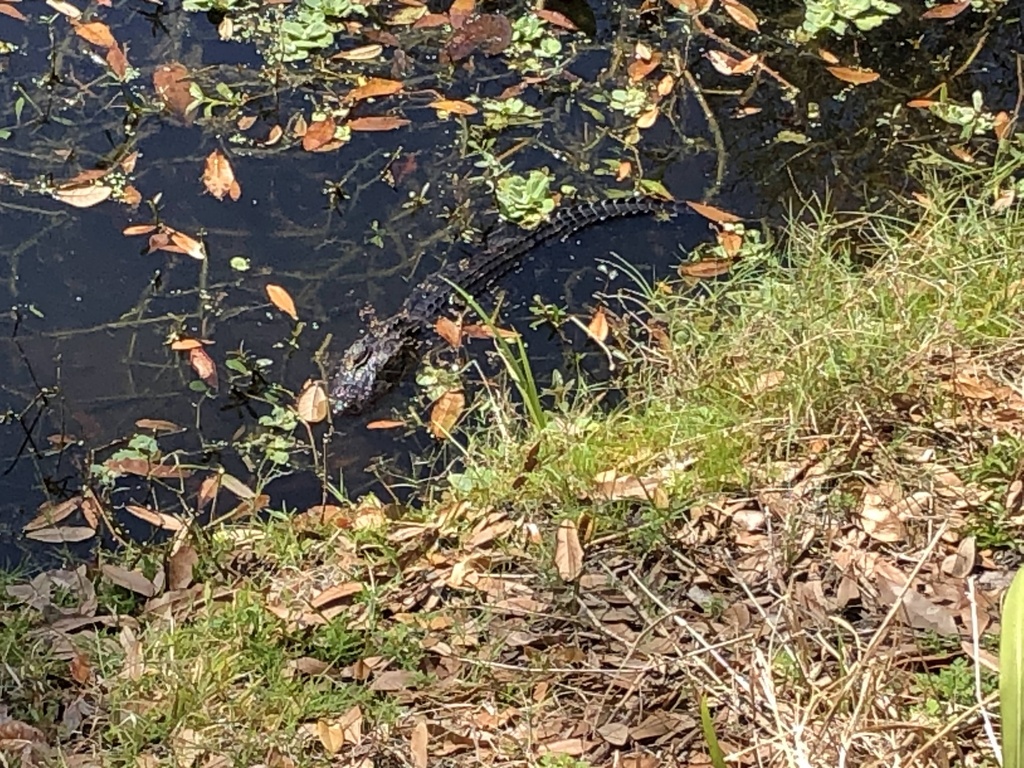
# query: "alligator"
(389, 348)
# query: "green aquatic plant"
(526, 200)
(838, 15)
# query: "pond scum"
(781, 541)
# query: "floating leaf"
(219, 177)
(172, 83)
(375, 87)
(640, 68)
(156, 519)
(490, 33)
(83, 197)
(97, 33)
(65, 8)
(385, 424)
(853, 75)
(450, 331)
(311, 404)
(14, 13)
(187, 245)
(319, 136)
(454, 106)
(728, 65)
(204, 366)
(597, 328)
(568, 551)
(556, 19)
(362, 53)
(946, 10)
(50, 514)
(446, 412)
(117, 61)
(648, 118)
(67, 535)
(281, 299)
(716, 215)
(183, 345)
(705, 268)
(742, 15)
(379, 123)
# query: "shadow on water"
(83, 351)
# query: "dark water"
(82, 349)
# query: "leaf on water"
(730, 66)
(319, 136)
(714, 214)
(827, 56)
(742, 15)
(203, 365)
(385, 424)
(450, 331)
(274, 136)
(490, 33)
(374, 88)
(95, 32)
(362, 53)
(379, 123)
(418, 741)
(477, 331)
(665, 85)
(281, 299)
(431, 20)
(705, 268)
(946, 10)
(158, 425)
(410, 14)
(133, 581)
(312, 404)
(454, 106)
(67, 535)
(624, 171)
(237, 487)
(648, 118)
(641, 66)
(117, 60)
(568, 551)
(171, 82)
(556, 19)
(144, 468)
(219, 177)
(183, 345)
(92, 510)
(138, 229)
(597, 328)
(921, 103)
(245, 122)
(460, 11)
(853, 75)
(445, 413)
(156, 519)
(14, 13)
(83, 197)
(207, 490)
(49, 514)
(65, 8)
(187, 245)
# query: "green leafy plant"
(838, 15)
(499, 115)
(532, 47)
(526, 200)
(972, 119)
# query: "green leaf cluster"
(838, 15)
(526, 200)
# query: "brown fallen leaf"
(49, 514)
(138, 229)
(311, 405)
(705, 268)
(853, 75)
(204, 366)
(362, 53)
(66, 535)
(556, 19)
(95, 32)
(454, 107)
(319, 136)
(647, 119)
(640, 67)
(171, 83)
(281, 299)
(597, 328)
(377, 123)
(156, 519)
(9, 10)
(450, 331)
(946, 10)
(568, 551)
(133, 581)
(374, 88)
(181, 567)
(460, 11)
(489, 33)
(418, 741)
(117, 60)
(188, 245)
(385, 424)
(445, 413)
(65, 8)
(83, 197)
(714, 214)
(219, 177)
(742, 15)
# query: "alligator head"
(371, 366)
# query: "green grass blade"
(710, 737)
(1011, 674)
